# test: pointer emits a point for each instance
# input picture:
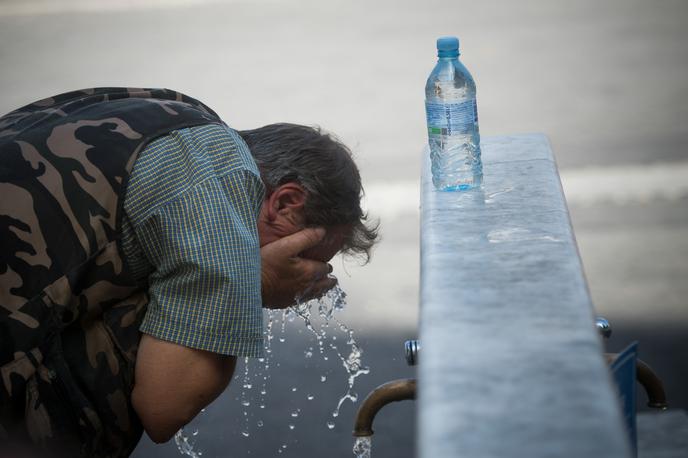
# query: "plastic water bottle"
(452, 115)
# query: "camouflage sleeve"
(205, 289)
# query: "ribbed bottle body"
(452, 120)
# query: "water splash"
(490, 198)
(362, 447)
(332, 301)
(517, 234)
(184, 446)
(352, 365)
(245, 397)
(327, 342)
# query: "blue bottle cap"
(447, 47)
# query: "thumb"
(297, 242)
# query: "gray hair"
(324, 167)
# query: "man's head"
(311, 180)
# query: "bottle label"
(451, 118)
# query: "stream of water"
(332, 338)
(362, 447)
(185, 444)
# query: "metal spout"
(396, 390)
(654, 388)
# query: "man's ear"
(287, 200)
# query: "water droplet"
(245, 403)
(351, 360)
(195, 433)
(245, 433)
(260, 423)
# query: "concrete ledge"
(511, 363)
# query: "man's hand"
(286, 275)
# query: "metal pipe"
(654, 388)
(396, 390)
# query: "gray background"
(605, 80)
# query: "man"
(140, 238)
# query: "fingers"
(328, 283)
(318, 288)
(319, 269)
(295, 243)
(325, 285)
(286, 275)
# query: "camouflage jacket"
(69, 305)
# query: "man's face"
(282, 214)
(330, 245)
(282, 226)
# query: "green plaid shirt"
(190, 232)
